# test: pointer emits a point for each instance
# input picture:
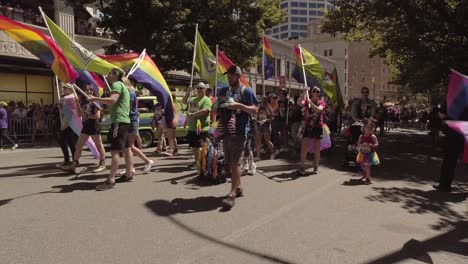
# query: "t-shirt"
(3, 118)
(363, 108)
(248, 98)
(133, 107)
(120, 111)
(89, 109)
(196, 105)
(315, 118)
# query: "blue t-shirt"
(133, 107)
(247, 98)
(3, 118)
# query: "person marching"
(245, 105)
(263, 131)
(91, 116)
(67, 138)
(4, 127)
(119, 102)
(367, 143)
(198, 119)
(313, 127)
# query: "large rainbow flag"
(313, 70)
(457, 95)
(223, 64)
(268, 60)
(148, 74)
(91, 78)
(40, 46)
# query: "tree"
(421, 38)
(167, 28)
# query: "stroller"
(211, 162)
(352, 134)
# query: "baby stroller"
(352, 134)
(211, 162)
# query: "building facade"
(298, 14)
(22, 76)
(354, 66)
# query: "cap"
(270, 95)
(200, 84)
(316, 88)
(3, 103)
(67, 86)
(234, 69)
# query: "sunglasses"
(365, 92)
(316, 92)
(200, 88)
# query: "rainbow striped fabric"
(94, 80)
(457, 94)
(223, 64)
(40, 46)
(268, 60)
(148, 74)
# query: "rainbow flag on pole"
(148, 74)
(78, 56)
(40, 46)
(313, 69)
(457, 94)
(268, 60)
(223, 64)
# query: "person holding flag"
(198, 118)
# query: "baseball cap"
(272, 95)
(200, 84)
(67, 86)
(3, 103)
(234, 69)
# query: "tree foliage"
(167, 28)
(421, 38)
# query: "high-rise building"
(298, 13)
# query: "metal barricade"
(30, 130)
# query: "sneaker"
(273, 155)
(252, 169)
(315, 171)
(125, 172)
(105, 186)
(15, 146)
(175, 152)
(60, 166)
(101, 167)
(124, 179)
(147, 167)
(72, 166)
(229, 201)
(283, 150)
(277, 152)
(301, 172)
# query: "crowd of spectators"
(15, 11)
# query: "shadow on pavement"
(454, 241)
(167, 209)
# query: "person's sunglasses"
(200, 88)
(365, 92)
(316, 92)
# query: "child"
(263, 131)
(367, 143)
(158, 124)
(227, 119)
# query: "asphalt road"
(167, 216)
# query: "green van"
(148, 135)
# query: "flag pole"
(263, 66)
(194, 54)
(216, 75)
(137, 63)
(304, 73)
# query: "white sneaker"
(284, 150)
(15, 146)
(125, 172)
(147, 168)
(252, 169)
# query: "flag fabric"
(462, 128)
(78, 56)
(339, 95)
(91, 78)
(70, 112)
(223, 64)
(313, 69)
(40, 46)
(457, 94)
(205, 61)
(147, 74)
(268, 60)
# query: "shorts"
(313, 132)
(195, 140)
(119, 136)
(91, 127)
(133, 128)
(264, 129)
(234, 149)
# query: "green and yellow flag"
(77, 55)
(205, 61)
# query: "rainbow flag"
(268, 60)
(457, 94)
(313, 69)
(148, 74)
(223, 64)
(91, 78)
(40, 46)
(70, 112)
(78, 56)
